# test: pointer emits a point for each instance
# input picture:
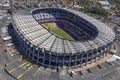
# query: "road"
(4, 57)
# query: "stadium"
(57, 37)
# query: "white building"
(4, 3)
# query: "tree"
(90, 6)
(9, 11)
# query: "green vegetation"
(61, 33)
(91, 6)
(116, 3)
(9, 11)
(116, 6)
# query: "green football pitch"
(61, 33)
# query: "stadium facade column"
(24, 46)
(30, 49)
(38, 52)
(91, 57)
(97, 55)
(92, 60)
(21, 44)
(33, 53)
(24, 49)
(95, 52)
(100, 53)
(50, 60)
(94, 56)
(63, 59)
(108, 49)
(81, 61)
(103, 52)
(106, 52)
(87, 57)
(14, 35)
(43, 51)
(57, 61)
(75, 59)
(70, 61)
(27, 48)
